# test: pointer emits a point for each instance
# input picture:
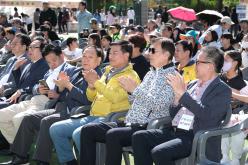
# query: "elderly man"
(204, 105)
(151, 100)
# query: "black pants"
(39, 123)
(162, 147)
(115, 136)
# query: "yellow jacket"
(110, 97)
(188, 72)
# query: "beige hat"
(227, 20)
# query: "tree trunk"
(219, 5)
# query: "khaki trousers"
(11, 117)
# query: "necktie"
(9, 67)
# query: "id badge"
(186, 122)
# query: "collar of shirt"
(163, 67)
(201, 87)
(57, 69)
(114, 70)
(19, 56)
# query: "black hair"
(51, 49)
(107, 37)
(228, 36)
(25, 39)
(126, 47)
(70, 40)
(186, 46)
(83, 3)
(96, 37)
(138, 41)
(214, 35)
(53, 36)
(236, 56)
(167, 45)
(103, 32)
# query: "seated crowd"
(151, 72)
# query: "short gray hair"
(214, 55)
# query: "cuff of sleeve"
(184, 98)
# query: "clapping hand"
(63, 81)
(52, 94)
(177, 83)
(127, 83)
(90, 76)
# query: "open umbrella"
(210, 16)
(183, 14)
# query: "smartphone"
(43, 82)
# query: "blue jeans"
(63, 131)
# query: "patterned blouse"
(153, 97)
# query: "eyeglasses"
(203, 62)
(15, 43)
(33, 47)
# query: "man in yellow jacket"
(106, 95)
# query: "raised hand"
(127, 83)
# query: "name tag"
(186, 122)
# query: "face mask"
(244, 59)
(227, 66)
(244, 44)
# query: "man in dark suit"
(203, 105)
(26, 78)
(19, 47)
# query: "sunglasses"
(152, 50)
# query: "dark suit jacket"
(215, 103)
(77, 96)
(10, 87)
(27, 78)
